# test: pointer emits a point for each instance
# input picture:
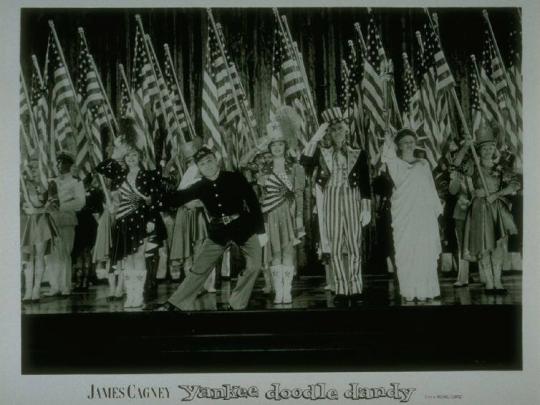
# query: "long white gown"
(415, 209)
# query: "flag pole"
(462, 118)
(181, 96)
(98, 76)
(78, 107)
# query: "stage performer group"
(263, 217)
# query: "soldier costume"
(235, 216)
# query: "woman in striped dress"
(283, 184)
(136, 229)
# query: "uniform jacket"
(229, 194)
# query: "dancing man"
(235, 216)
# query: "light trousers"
(185, 295)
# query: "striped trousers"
(342, 218)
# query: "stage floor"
(308, 293)
(464, 330)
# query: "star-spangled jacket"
(320, 159)
(229, 194)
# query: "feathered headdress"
(288, 126)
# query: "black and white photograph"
(258, 189)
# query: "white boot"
(486, 269)
(138, 289)
(497, 276)
(111, 277)
(129, 280)
(288, 274)
(277, 281)
(28, 281)
(329, 278)
(463, 273)
(120, 285)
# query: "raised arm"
(310, 154)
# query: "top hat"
(333, 115)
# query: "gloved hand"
(263, 239)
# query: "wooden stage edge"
(430, 338)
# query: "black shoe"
(357, 299)
(168, 307)
(341, 300)
(500, 291)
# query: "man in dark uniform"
(235, 216)
(343, 175)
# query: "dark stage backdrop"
(321, 33)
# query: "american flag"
(92, 102)
(242, 130)
(428, 141)
(40, 108)
(62, 94)
(351, 96)
(475, 100)
(174, 91)
(28, 141)
(490, 99)
(288, 86)
(166, 108)
(125, 110)
(214, 74)
(411, 112)
(145, 92)
(445, 79)
(175, 138)
(515, 81)
(373, 90)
